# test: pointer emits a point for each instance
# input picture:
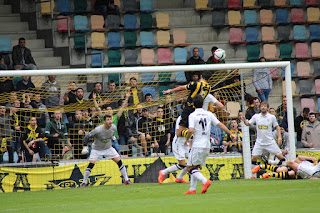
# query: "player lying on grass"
(305, 167)
(102, 146)
(200, 122)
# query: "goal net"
(69, 103)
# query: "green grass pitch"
(257, 195)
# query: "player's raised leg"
(122, 169)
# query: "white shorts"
(107, 153)
(273, 149)
(306, 170)
(180, 151)
(198, 156)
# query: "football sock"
(197, 174)
(184, 133)
(193, 183)
(269, 167)
(282, 160)
(282, 175)
(87, 173)
(172, 168)
(123, 170)
(182, 173)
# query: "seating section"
(5, 44)
(96, 58)
(307, 103)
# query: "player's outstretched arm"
(245, 121)
(180, 88)
(279, 141)
(226, 130)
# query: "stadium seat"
(305, 86)
(297, 15)
(315, 49)
(200, 50)
(317, 86)
(164, 77)
(253, 52)
(292, 70)
(114, 57)
(280, 3)
(97, 22)
(265, 3)
(234, 4)
(217, 4)
(285, 51)
(46, 7)
(162, 88)
(163, 38)
(268, 34)
(130, 56)
(113, 22)
(148, 77)
(163, 20)
(270, 51)
(312, 2)
(146, 6)
(299, 32)
(81, 23)
(236, 36)
(284, 33)
(115, 78)
(234, 18)
(147, 39)
(252, 35)
(266, 17)
(64, 6)
(96, 58)
(201, 4)
(303, 68)
(313, 14)
(218, 18)
(302, 50)
(179, 38)
(79, 41)
(296, 3)
(307, 103)
(146, 21)
(164, 55)
(80, 6)
(274, 73)
(98, 40)
(316, 68)
(249, 4)
(293, 86)
(233, 108)
(180, 77)
(62, 22)
(147, 56)
(149, 89)
(114, 39)
(130, 39)
(314, 31)
(5, 44)
(282, 16)
(250, 17)
(180, 55)
(130, 22)
(130, 5)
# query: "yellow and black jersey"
(197, 88)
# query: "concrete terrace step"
(9, 19)
(29, 35)
(47, 52)
(32, 44)
(46, 62)
(14, 26)
(5, 9)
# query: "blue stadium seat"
(64, 6)
(5, 44)
(96, 58)
(252, 35)
(130, 22)
(200, 50)
(146, 6)
(180, 55)
(180, 77)
(148, 89)
(217, 4)
(296, 3)
(282, 16)
(292, 70)
(318, 104)
(147, 77)
(299, 32)
(314, 32)
(81, 23)
(114, 39)
(250, 17)
(146, 39)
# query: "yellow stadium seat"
(98, 40)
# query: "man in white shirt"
(265, 122)
(200, 122)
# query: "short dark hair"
(97, 83)
(146, 95)
(206, 75)
(22, 39)
(133, 78)
(312, 113)
(306, 109)
(262, 58)
(107, 116)
(214, 48)
(198, 101)
(111, 81)
(255, 98)
(79, 89)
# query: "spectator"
(171, 115)
(32, 141)
(77, 133)
(144, 130)
(17, 120)
(41, 112)
(51, 89)
(13, 98)
(150, 105)
(138, 114)
(136, 96)
(262, 81)
(106, 7)
(70, 94)
(282, 113)
(57, 134)
(272, 111)
(25, 83)
(255, 109)
(3, 65)
(301, 121)
(6, 85)
(161, 136)
(195, 59)
(311, 132)
(113, 95)
(98, 91)
(79, 96)
(6, 131)
(22, 58)
(233, 144)
(212, 60)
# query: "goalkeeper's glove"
(84, 150)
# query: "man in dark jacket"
(195, 59)
(106, 7)
(25, 83)
(22, 58)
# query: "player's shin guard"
(123, 170)
(269, 167)
(172, 168)
(87, 173)
(282, 175)
(182, 173)
(197, 174)
(281, 161)
(193, 183)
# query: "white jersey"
(201, 120)
(264, 126)
(178, 139)
(209, 99)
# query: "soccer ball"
(219, 54)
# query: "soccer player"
(265, 142)
(200, 122)
(194, 88)
(102, 146)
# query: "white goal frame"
(175, 68)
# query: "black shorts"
(187, 110)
